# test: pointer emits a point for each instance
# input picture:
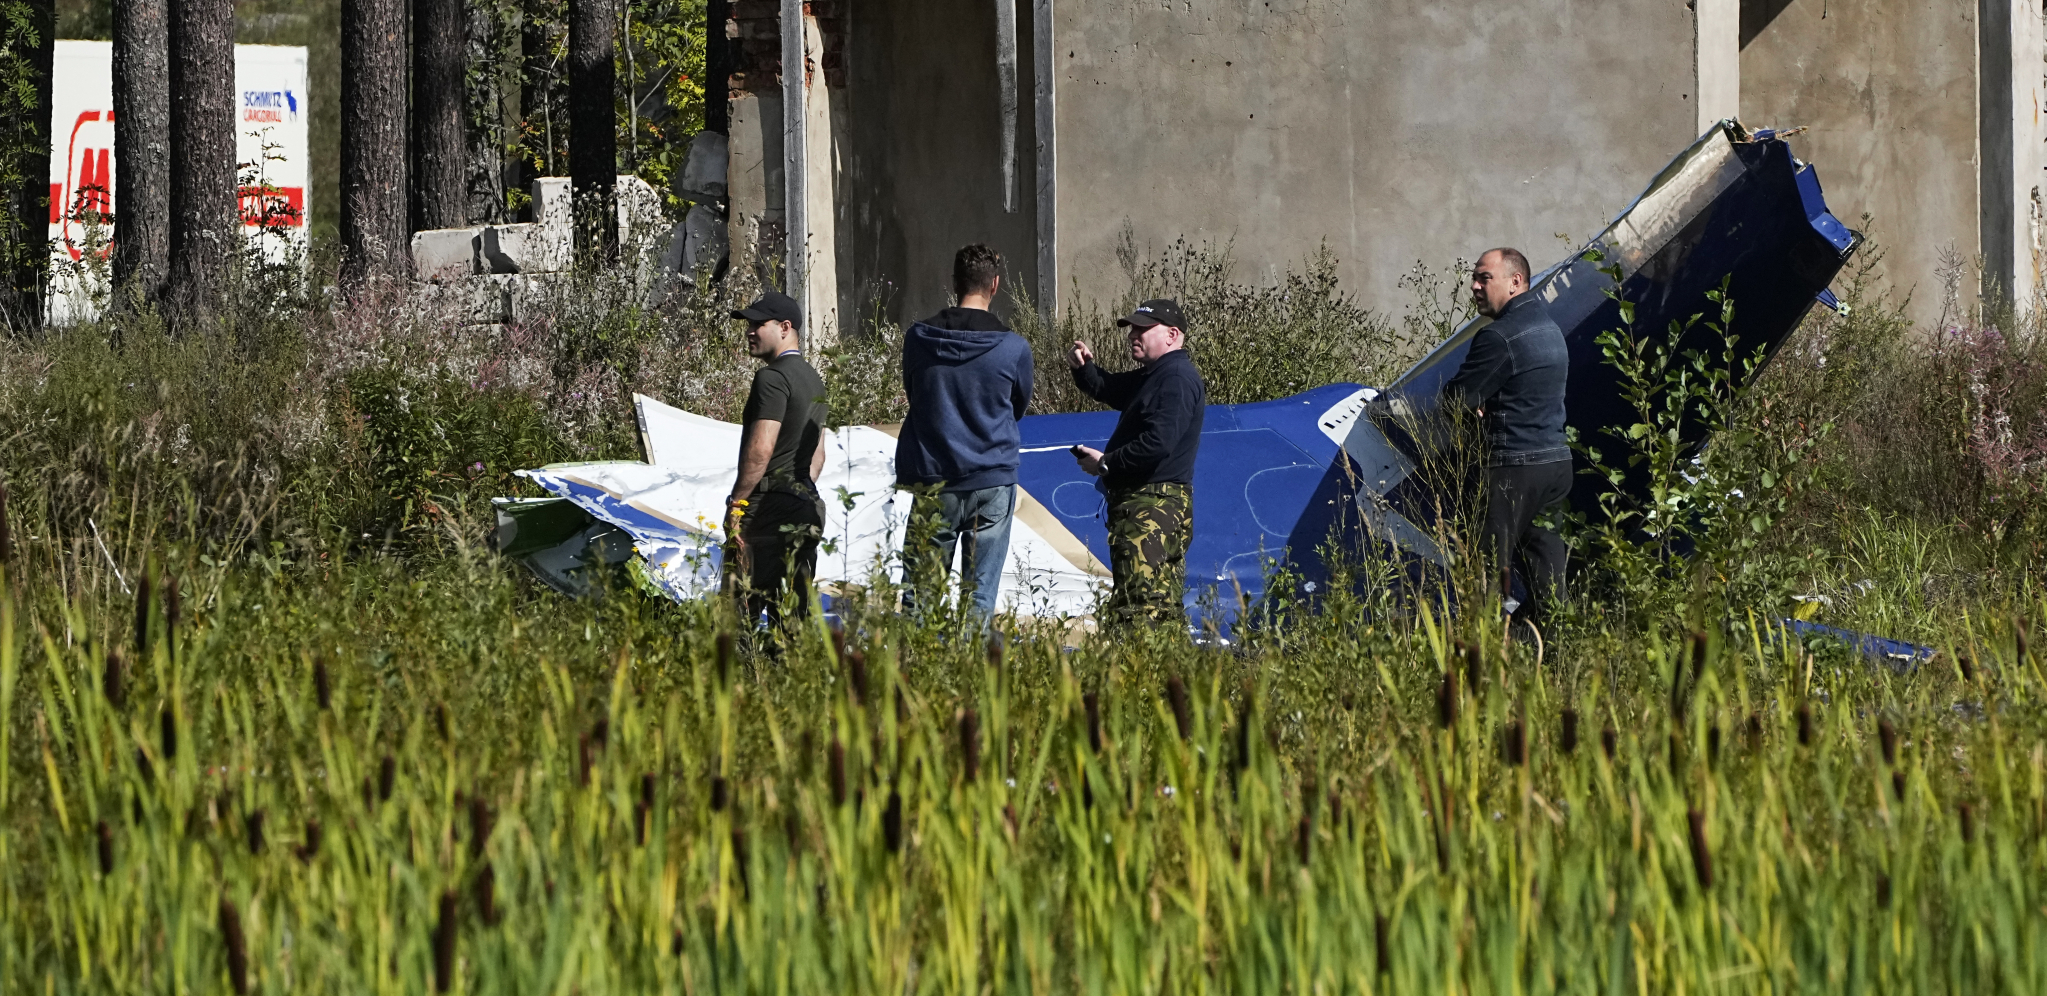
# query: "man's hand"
(1080, 356)
(1089, 457)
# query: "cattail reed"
(1514, 744)
(1244, 712)
(484, 888)
(480, 822)
(1092, 704)
(142, 591)
(106, 848)
(1968, 817)
(1609, 741)
(387, 777)
(835, 766)
(1752, 731)
(970, 744)
(441, 725)
(1676, 752)
(311, 845)
(167, 732)
(444, 943)
(1713, 744)
(892, 822)
(252, 827)
(1898, 785)
(1883, 891)
(1887, 737)
(1304, 838)
(143, 768)
(718, 791)
(1702, 856)
(1804, 724)
(1183, 711)
(724, 652)
(1468, 653)
(1967, 666)
(1380, 944)
(1567, 736)
(114, 679)
(237, 947)
(739, 859)
(856, 677)
(1446, 700)
(585, 757)
(323, 685)
(173, 605)
(643, 813)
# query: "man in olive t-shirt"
(774, 510)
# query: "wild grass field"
(276, 719)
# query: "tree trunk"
(202, 132)
(593, 127)
(374, 241)
(142, 151)
(717, 67)
(25, 266)
(440, 54)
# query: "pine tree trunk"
(25, 265)
(374, 241)
(142, 151)
(440, 53)
(202, 133)
(593, 124)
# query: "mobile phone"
(1075, 450)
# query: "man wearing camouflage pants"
(1147, 468)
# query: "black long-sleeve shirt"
(1162, 404)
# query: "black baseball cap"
(1159, 311)
(774, 306)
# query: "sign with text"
(271, 152)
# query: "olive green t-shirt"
(788, 391)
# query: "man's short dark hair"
(1512, 257)
(975, 268)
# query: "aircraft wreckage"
(1275, 480)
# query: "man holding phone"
(1147, 467)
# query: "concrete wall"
(1399, 130)
(1889, 92)
(920, 173)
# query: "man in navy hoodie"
(968, 379)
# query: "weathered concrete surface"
(1398, 131)
(1889, 93)
(920, 146)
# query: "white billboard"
(271, 153)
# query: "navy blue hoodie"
(967, 386)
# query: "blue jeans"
(974, 522)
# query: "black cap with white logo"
(1159, 311)
(774, 306)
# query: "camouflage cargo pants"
(1149, 528)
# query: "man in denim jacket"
(1514, 375)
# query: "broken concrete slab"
(443, 254)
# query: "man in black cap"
(774, 517)
(1514, 374)
(1147, 468)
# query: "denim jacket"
(1516, 370)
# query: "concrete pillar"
(819, 236)
(1716, 88)
(795, 134)
(2009, 53)
(1045, 69)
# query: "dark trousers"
(1514, 497)
(780, 534)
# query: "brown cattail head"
(1567, 738)
(1883, 891)
(1380, 945)
(387, 777)
(1183, 710)
(1887, 737)
(892, 822)
(1245, 711)
(1805, 724)
(481, 820)
(173, 605)
(970, 744)
(485, 889)
(1514, 744)
(252, 824)
(1304, 837)
(6, 536)
(647, 790)
(1468, 653)
(442, 725)
(1713, 744)
(1898, 785)
(114, 680)
(1702, 855)
(167, 731)
(739, 858)
(237, 946)
(1967, 665)
(323, 685)
(1092, 704)
(2021, 633)
(1446, 700)
(311, 845)
(1609, 741)
(856, 676)
(724, 659)
(444, 943)
(142, 593)
(643, 811)
(718, 793)
(835, 764)
(1752, 731)
(1677, 748)
(106, 848)
(1968, 816)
